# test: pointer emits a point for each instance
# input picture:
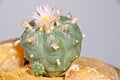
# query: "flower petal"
(46, 15)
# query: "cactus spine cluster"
(51, 48)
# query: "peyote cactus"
(51, 41)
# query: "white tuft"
(58, 62)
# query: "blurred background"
(98, 19)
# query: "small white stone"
(75, 67)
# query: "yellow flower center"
(46, 19)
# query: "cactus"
(51, 41)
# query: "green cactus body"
(51, 53)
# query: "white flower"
(45, 15)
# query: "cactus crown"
(45, 17)
(51, 41)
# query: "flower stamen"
(45, 19)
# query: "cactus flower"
(45, 15)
